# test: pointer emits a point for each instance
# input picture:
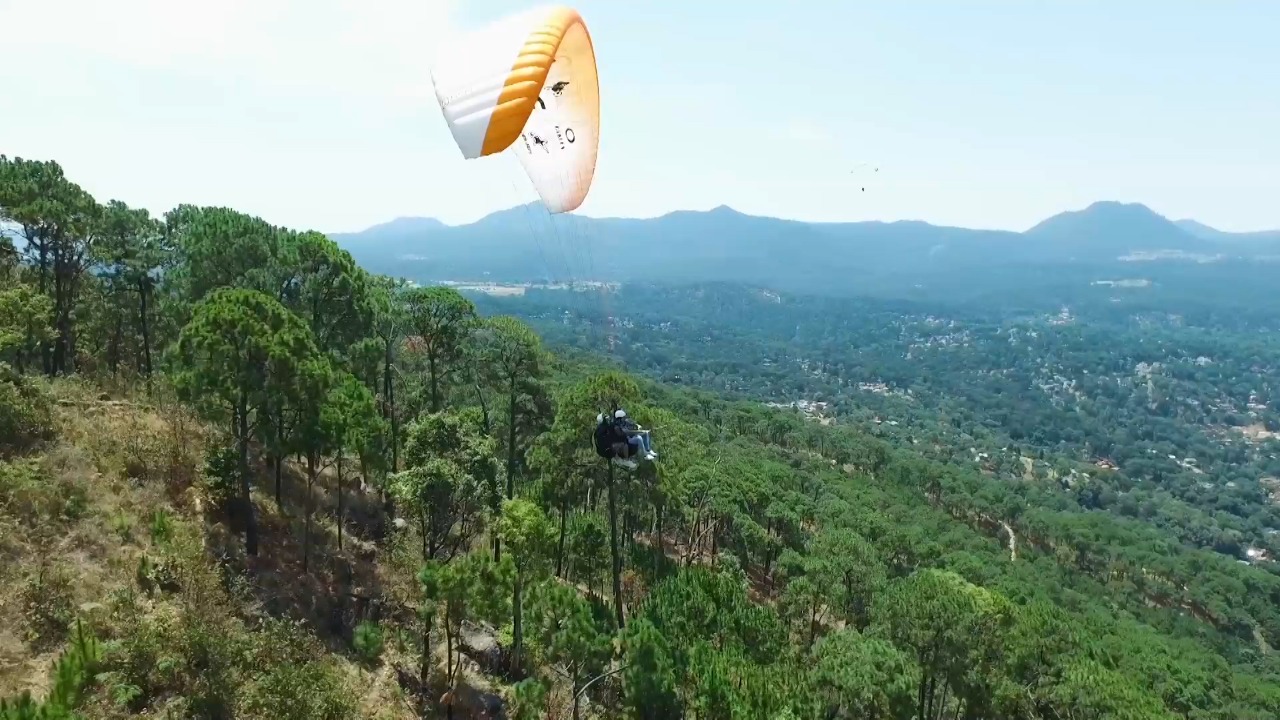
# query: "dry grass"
(75, 523)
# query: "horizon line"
(725, 206)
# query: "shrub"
(26, 413)
(24, 493)
(139, 447)
(75, 500)
(367, 640)
(153, 575)
(161, 527)
(529, 699)
(221, 475)
(73, 671)
(189, 649)
(37, 500)
(292, 683)
(47, 606)
(194, 653)
(182, 446)
(122, 525)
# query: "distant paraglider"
(854, 171)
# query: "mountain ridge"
(526, 244)
(1207, 232)
(1189, 225)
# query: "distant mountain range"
(1205, 232)
(525, 244)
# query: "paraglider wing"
(527, 83)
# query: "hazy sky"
(320, 113)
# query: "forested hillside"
(242, 477)
(1167, 416)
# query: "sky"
(320, 114)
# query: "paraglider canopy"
(527, 83)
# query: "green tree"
(221, 248)
(59, 222)
(353, 417)
(390, 319)
(241, 350)
(569, 635)
(954, 629)
(1090, 691)
(1042, 639)
(225, 248)
(511, 354)
(25, 324)
(281, 417)
(649, 680)
(589, 551)
(443, 319)
(702, 605)
(8, 256)
(846, 565)
(329, 292)
(133, 252)
(472, 589)
(447, 460)
(863, 677)
(529, 537)
(802, 605)
(563, 459)
(320, 429)
(529, 699)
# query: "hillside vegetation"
(242, 477)
(1168, 416)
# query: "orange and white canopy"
(527, 83)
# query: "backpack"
(602, 440)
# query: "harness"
(609, 440)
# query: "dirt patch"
(1258, 432)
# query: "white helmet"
(620, 413)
